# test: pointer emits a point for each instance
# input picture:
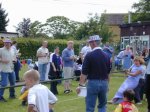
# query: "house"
(114, 20)
(9, 34)
(135, 34)
(4, 35)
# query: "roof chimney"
(129, 17)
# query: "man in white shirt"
(86, 49)
(42, 54)
(40, 98)
(7, 59)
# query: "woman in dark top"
(55, 69)
(78, 66)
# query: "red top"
(126, 106)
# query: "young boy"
(40, 98)
(127, 105)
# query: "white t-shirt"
(40, 96)
(15, 51)
(43, 51)
(51, 57)
(7, 54)
(85, 50)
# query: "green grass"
(66, 103)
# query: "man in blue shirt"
(96, 69)
(68, 58)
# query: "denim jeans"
(4, 81)
(96, 89)
(137, 90)
(17, 66)
(42, 71)
(51, 110)
(147, 91)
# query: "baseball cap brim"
(7, 41)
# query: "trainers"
(24, 103)
(12, 97)
(113, 101)
(110, 102)
(67, 91)
(139, 103)
(2, 99)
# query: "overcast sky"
(77, 10)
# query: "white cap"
(94, 38)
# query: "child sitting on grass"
(24, 95)
(127, 105)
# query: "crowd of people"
(93, 65)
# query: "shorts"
(68, 72)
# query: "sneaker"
(110, 102)
(67, 91)
(113, 101)
(17, 80)
(12, 97)
(24, 103)
(2, 99)
(139, 103)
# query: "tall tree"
(37, 30)
(24, 27)
(60, 26)
(3, 19)
(105, 33)
(142, 11)
(94, 26)
(34, 28)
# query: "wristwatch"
(82, 85)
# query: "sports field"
(67, 102)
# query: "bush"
(28, 47)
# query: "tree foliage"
(60, 26)
(34, 28)
(37, 30)
(24, 27)
(3, 19)
(96, 25)
(142, 11)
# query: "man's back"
(96, 65)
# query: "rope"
(49, 81)
(19, 85)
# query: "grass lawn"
(66, 103)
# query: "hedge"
(29, 46)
